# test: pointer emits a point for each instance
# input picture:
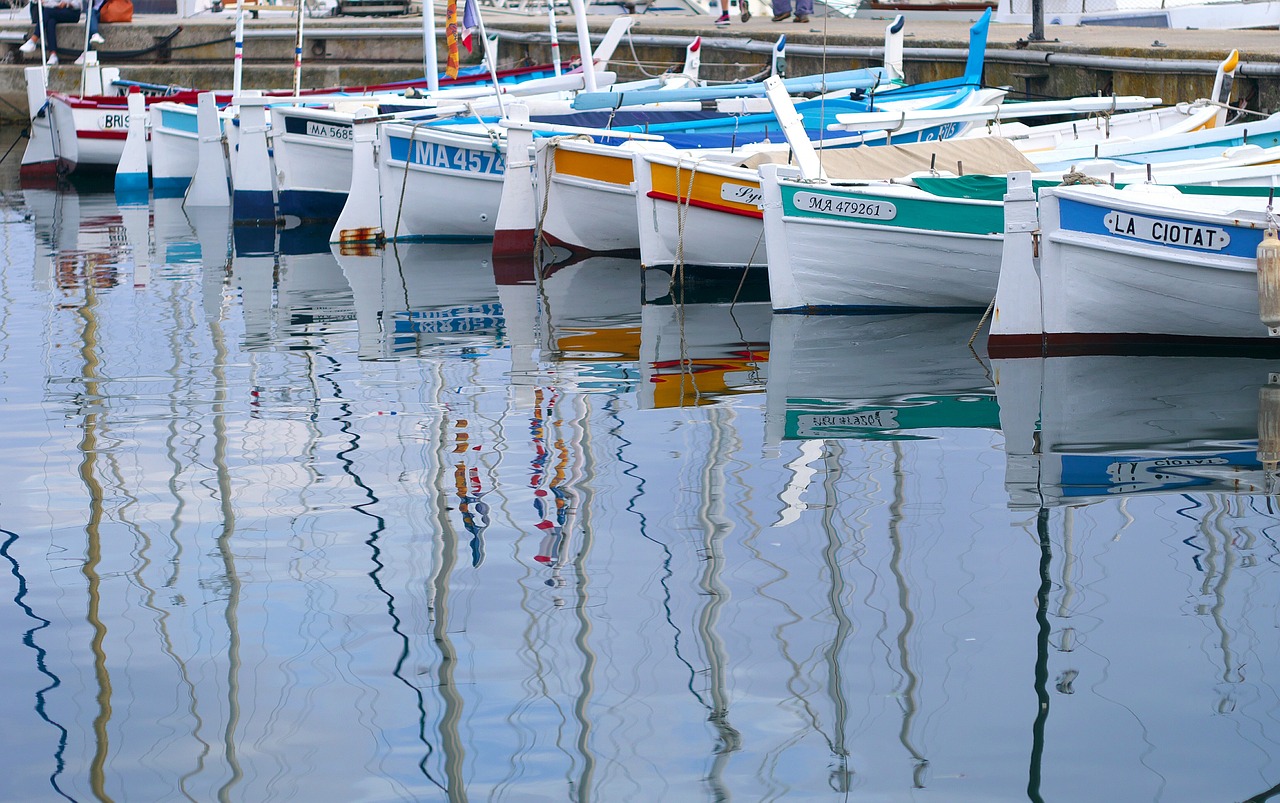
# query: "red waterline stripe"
(663, 196)
(1063, 344)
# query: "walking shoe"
(97, 39)
(724, 19)
(801, 18)
(29, 46)
(746, 12)
(53, 59)
(780, 17)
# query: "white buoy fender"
(1269, 281)
(1269, 422)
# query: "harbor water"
(284, 523)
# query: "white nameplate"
(740, 194)
(113, 121)
(1188, 235)
(328, 131)
(844, 207)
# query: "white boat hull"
(822, 261)
(175, 148)
(588, 193)
(100, 134)
(439, 183)
(1099, 284)
(313, 162)
(711, 234)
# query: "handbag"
(116, 11)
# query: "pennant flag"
(470, 21)
(451, 39)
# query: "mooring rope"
(408, 159)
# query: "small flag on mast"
(470, 21)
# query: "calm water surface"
(283, 524)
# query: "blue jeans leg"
(52, 16)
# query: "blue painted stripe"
(134, 197)
(312, 204)
(180, 121)
(1093, 475)
(131, 182)
(252, 205)
(1091, 219)
(171, 187)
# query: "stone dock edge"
(1174, 65)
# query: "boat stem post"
(361, 217)
(131, 172)
(1017, 321)
(252, 197)
(41, 156)
(514, 232)
(209, 184)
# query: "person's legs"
(781, 8)
(53, 16)
(804, 9)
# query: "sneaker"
(801, 18)
(746, 12)
(53, 59)
(724, 19)
(29, 46)
(780, 17)
(97, 39)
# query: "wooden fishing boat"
(99, 112)
(1120, 268)
(711, 218)
(587, 190)
(312, 144)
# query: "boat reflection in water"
(411, 298)
(703, 338)
(876, 376)
(1079, 429)
(576, 324)
(1149, 496)
(399, 523)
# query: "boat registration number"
(474, 318)
(866, 419)
(1169, 471)
(1167, 232)
(328, 130)
(740, 194)
(845, 207)
(447, 157)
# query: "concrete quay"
(197, 52)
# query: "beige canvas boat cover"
(978, 155)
